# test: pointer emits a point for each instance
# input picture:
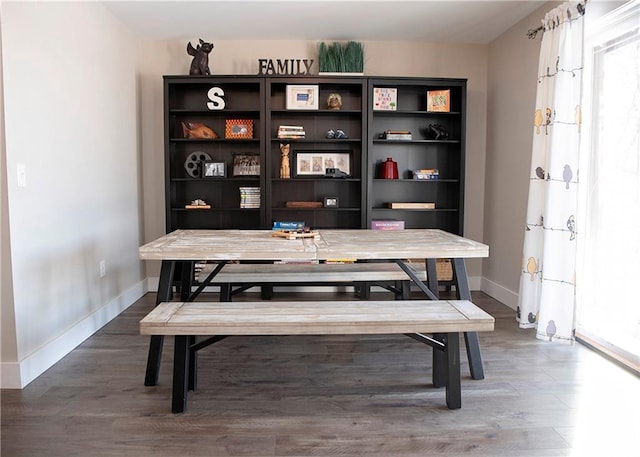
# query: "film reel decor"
(194, 161)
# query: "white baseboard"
(500, 293)
(16, 375)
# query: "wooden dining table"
(185, 247)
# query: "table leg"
(452, 353)
(186, 281)
(188, 270)
(180, 374)
(165, 291)
(416, 280)
(471, 338)
(432, 276)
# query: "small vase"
(389, 169)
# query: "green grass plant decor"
(340, 57)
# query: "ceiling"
(472, 21)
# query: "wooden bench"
(443, 319)
(362, 275)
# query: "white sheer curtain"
(547, 283)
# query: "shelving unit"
(188, 99)
(445, 155)
(351, 119)
(361, 197)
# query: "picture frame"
(246, 164)
(315, 163)
(302, 97)
(439, 101)
(238, 129)
(385, 99)
(214, 169)
(330, 202)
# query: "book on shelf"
(291, 131)
(404, 135)
(303, 204)
(426, 174)
(387, 224)
(290, 137)
(249, 197)
(408, 205)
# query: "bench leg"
(439, 374)
(193, 364)
(225, 292)
(405, 290)
(266, 292)
(180, 374)
(364, 290)
(471, 338)
(452, 354)
(165, 292)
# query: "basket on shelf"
(444, 270)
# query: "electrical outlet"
(103, 268)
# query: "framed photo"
(315, 163)
(439, 101)
(213, 169)
(302, 97)
(246, 164)
(330, 202)
(239, 129)
(385, 99)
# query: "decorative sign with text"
(289, 67)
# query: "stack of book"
(403, 135)
(426, 173)
(291, 132)
(249, 197)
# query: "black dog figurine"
(200, 62)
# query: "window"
(607, 302)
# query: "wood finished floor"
(326, 396)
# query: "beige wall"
(382, 59)
(70, 117)
(8, 342)
(513, 68)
